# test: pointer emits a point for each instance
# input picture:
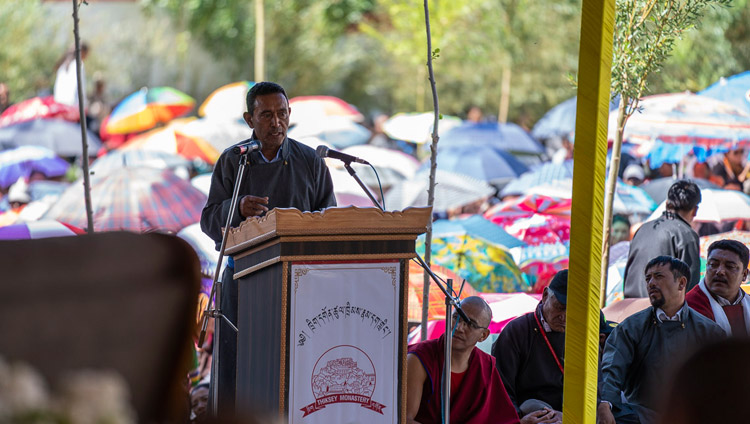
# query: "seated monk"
(477, 393)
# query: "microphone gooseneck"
(325, 152)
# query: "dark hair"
(620, 218)
(683, 196)
(261, 89)
(678, 267)
(70, 55)
(733, 246)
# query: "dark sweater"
(299, 180)
(526, 365)
(667, 235)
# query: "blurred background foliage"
(369, 52)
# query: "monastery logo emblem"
(343, 374)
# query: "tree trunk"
(502, 115)
(260, 42)
(84, 133)
(609, 196)
(433, 168)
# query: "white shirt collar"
(723, 302)
(662, 316)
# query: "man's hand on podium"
(253, 206)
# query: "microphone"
(325, 152)
(247, 147)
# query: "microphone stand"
(450, 302)
(216, 288)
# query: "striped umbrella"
(38, 229)
(147, 107)
(134, 199)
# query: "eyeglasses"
(473, 324)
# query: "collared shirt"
(723, 302)
(275, 159)
(662, 316)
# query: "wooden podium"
(322, 312)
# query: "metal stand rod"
(216, 288)
(353, 173)
(448, 345)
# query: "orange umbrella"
(171, 140)
(437, 298)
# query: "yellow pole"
(582, 330)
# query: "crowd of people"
(640, 357)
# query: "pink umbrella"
(505, 308)
(38, 229)
(38, 107)
(306, 108)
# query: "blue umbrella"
(483, 162)
(509, 137)
(561, 120)
(547, 173)
(62, 137)
(25, 160)
(734, 90)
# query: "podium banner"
(343, 349)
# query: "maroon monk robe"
(698, 300)
(481, 397)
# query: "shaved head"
(479, 305)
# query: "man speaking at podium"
(282, 173)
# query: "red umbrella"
(38, 107)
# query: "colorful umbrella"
(417, 127)
(313, 108)
(476, 250)
(21, 162)
(483, 162)
(508, 137)
(688, 119)
(171, 140)
(543, 223)
(436, 308)
(147, 107)
(338, 131)
(628, 200)
(62, 137)
(717, 206)
(134, 199)
(227, 102)
(37, 230)
(451, 191)
(734, 90)
(117, 159)
(37, 108)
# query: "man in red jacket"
(477, 392)
(719, 296)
